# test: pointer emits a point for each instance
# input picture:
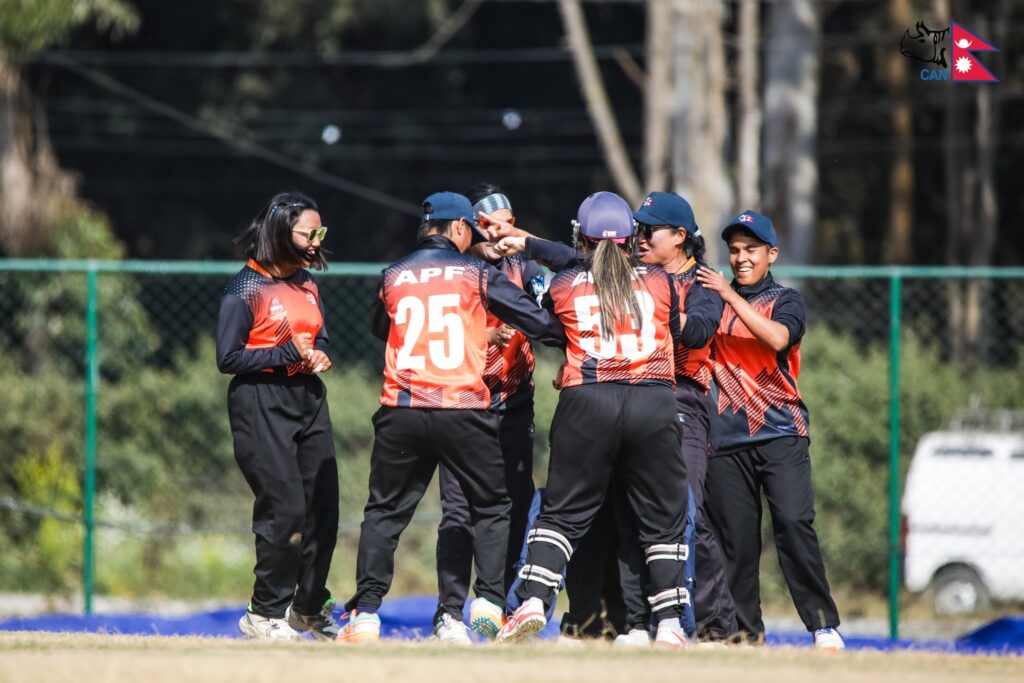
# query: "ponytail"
(694, 246)
(612, 271)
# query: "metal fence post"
(894, 454)
(92, 364)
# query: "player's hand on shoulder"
(713, 280)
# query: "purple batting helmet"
(605, 216)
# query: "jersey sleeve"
(789, 310)
(703, 314)
(557, 256)
(233, 326)
(515, 307)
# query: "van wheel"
(958, 590)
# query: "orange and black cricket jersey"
(432, 310)
(510, 368)
(754, 395)
(641, 352)
(703, 311)
(260, 313)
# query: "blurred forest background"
(174, 121)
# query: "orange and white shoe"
(486, 618)
(828, 640)
(670, 635)
(524, 623)
(362, 627)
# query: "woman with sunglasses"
(271, 337)
(670, 238)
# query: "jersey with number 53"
(640, 352)
(432, 310)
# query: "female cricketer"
(271, 337)
(509, 377)
(670, 238)
(616, 408)
(760, 437)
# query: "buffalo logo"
(649, 201)
(745, 218)
(925, 45)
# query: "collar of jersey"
(747, 291)
(264, 272)
(690, 263)
(438, 242)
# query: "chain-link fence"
(118, 475)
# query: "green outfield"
(38, 657)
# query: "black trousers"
(282, 436)
(597, 427)
(597, 607)
(454, 533)
(714, 609)
(782, 469)
(408, 445)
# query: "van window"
(1019, 455)
(965, 452)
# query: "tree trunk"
(33, 187)
(16, 186)
(901, 172)
(596, 99)
(658, 94)
(700, 120)
(790, 126)
(748, 138)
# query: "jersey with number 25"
(639, 352)
(432, 310)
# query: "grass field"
(34, 657)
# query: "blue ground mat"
(411, 617)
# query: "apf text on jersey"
(427, 274)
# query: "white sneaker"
(671, 635)
(637, 637)
(486, 618)
(266, 628)
(322, 624)
(451, 631)
(524, 623)
(828, 640)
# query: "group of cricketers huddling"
(678, 408)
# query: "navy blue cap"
(447, 206)
(450, 206)
(667, 208)
(757, 224)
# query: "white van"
(963, 518)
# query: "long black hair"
(268, 239)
